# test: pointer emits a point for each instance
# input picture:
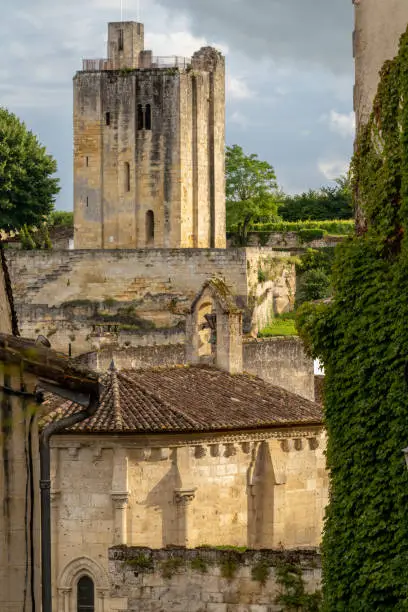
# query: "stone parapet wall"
(77, 294)
(287, 240)
(280, 361)
(196, 580)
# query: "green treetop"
(27, 187)
(251, 191)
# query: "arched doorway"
(85, 595)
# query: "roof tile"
(187, 398)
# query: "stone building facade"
(378, 27)
(183, 456)
(149, 137)
(187, 457)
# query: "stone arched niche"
(68, 581)
(214, 328)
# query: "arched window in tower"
(139, 117)
(148, 117)
(127, 176)
(85, 595)
(149, 227)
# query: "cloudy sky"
(289, 66)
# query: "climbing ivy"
(362, 338)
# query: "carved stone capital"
(183, 497)
(120, 499)
(64, 591)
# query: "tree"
(27, 188)
(322, 204)
(251, 191)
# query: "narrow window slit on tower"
(139, 117)
(87, 161)
(148, 117)
(127, 176)
(149, 227)
(120, 46)
(87, 201)
(107, 118)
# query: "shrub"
(314, 285)
(61, 218)
(260, 572)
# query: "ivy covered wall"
(362, 338)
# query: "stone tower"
(149, 138)
(378, 27)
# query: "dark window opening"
(107, 118)
(87, 161)
(149, 227)
(85, 595)
(120, 46)
(139, 117)
(87, 201)
(148, 117)
(127, 176)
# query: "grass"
(281, 325)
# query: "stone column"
(65, 600)
(120, 495)
(183, 499)
(120, 501)
(184, 495)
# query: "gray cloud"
(302, 31)
(289, 63)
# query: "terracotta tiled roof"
(187, 398)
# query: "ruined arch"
(214, 328)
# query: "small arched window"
(148, 117)
(149, 227)
(139, 117)
(85, 595)
(127, 176)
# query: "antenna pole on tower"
(121, 10)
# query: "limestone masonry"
(149, 137)
(378, 27)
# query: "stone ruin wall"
(80, 298)
(171, 583)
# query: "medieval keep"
(149, 137)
